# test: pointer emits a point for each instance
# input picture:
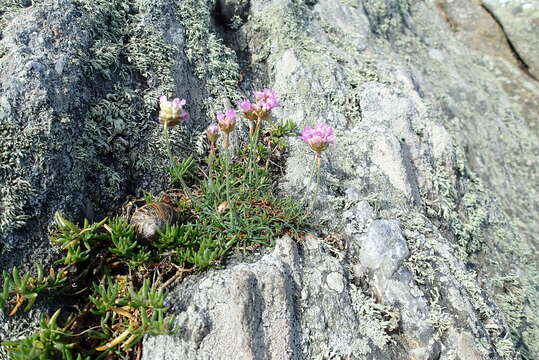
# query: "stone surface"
(436, 162)
(308, 303)
(232, 10)
(520, 21)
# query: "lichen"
(13, 184)
(376, 321)
(134, 64)
(387, 18)
(213, 62)
(459, 198)
(438, 317)
(8, 9)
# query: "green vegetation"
(26, 288)
(121, 276)
(50, 342)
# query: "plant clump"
(116, 273)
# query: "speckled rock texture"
(520, 20)
(425, 240)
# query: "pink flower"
(227, 120)
(266, 100)
(318, 137)
(171, 113)
(212, 132)
(246, 105)
(248, 109)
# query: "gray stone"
(384, 250)
(436, 129)
(520, 21)
(230, 9)
(382, 255)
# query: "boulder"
(424, 236)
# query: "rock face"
(426, 236)
(520, 20)
(309, 303)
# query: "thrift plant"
(117, 277)
(255, 113)
(318, 139)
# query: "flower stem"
(211, 157)
(253, 140)
(308, 187)
(167, 144)
(317, 185)
(166, 135)
(227, 181)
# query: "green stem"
(167, 144)
(269, 155)
(227, 171)
(253, 140)
(315, 197)
(308, 187)
(210, 164)
(166, 135)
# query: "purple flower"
(212, 132)
(318, 137)
(171, 113)
(266, 100)
(227, 120)
(246, 105)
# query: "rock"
(520, 21)
(381, 256)
(387, 154)
(437, 131)
(230, 9)
(384, 249)
(78, 135)
(282, 306)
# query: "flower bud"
(212, 132)
(227, 120)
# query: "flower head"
(212, 132)
(318, 137)
(171, 113)
(227, 120)
(246, 106)
(266, 100)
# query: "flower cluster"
(318, 137)
(171, 113)
(266, 100)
